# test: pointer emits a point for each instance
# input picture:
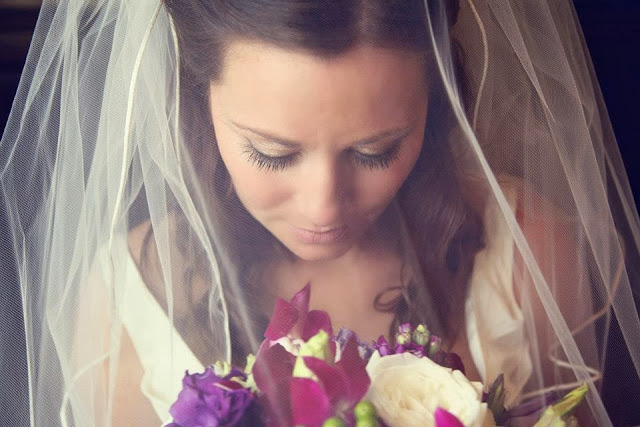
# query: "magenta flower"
(273, 367)
(293, 318)
(272, 373)
(303, 401)
(209, 400)
(444, 418)
(339, 387)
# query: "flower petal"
(355, 369)
(272, 374)
(309, 403)
(284, 318)
(301, 299)
(444, 418)
(272, 363)
(332, 378)
(204, 401)
(316, 321)
(185, 409)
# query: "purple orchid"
(273, 367)
(209, 400)
(272, 372)
(444, 418)
(293, 318)
(292, 400)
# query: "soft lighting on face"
(317, 148)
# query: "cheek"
(257, 190)
(378, 188)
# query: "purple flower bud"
(404, 334)
(383, 346)
(421, 335)
(404, 328)
(434, 344)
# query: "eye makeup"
(382, 160)
(266, 162)
(370, 161)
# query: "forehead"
(275, 88)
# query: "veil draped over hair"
(127, 233)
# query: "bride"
(171, 168)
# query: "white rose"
(406, 390)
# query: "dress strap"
(161, 381)
(494, 320)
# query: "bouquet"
(305, 375)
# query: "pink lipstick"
(319, 237)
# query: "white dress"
(494, 323)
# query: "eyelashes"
(264, 162)
(278, 163)
(379, 161)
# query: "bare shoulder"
(143, 251)
(187, 283)
(136, 239)
(532, 206)
(552, 234)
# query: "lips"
(313, 237)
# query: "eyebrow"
(398, 133)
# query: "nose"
(322, 194)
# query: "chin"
(319, 252)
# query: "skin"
(333, 113)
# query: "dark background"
(612, 32)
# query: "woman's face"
(317, 148)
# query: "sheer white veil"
(104, 186)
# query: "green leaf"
(495, 399)
(556, 414)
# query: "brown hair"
(445, 231)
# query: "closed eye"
(379, 161)
(370, 161)
(266, 162)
